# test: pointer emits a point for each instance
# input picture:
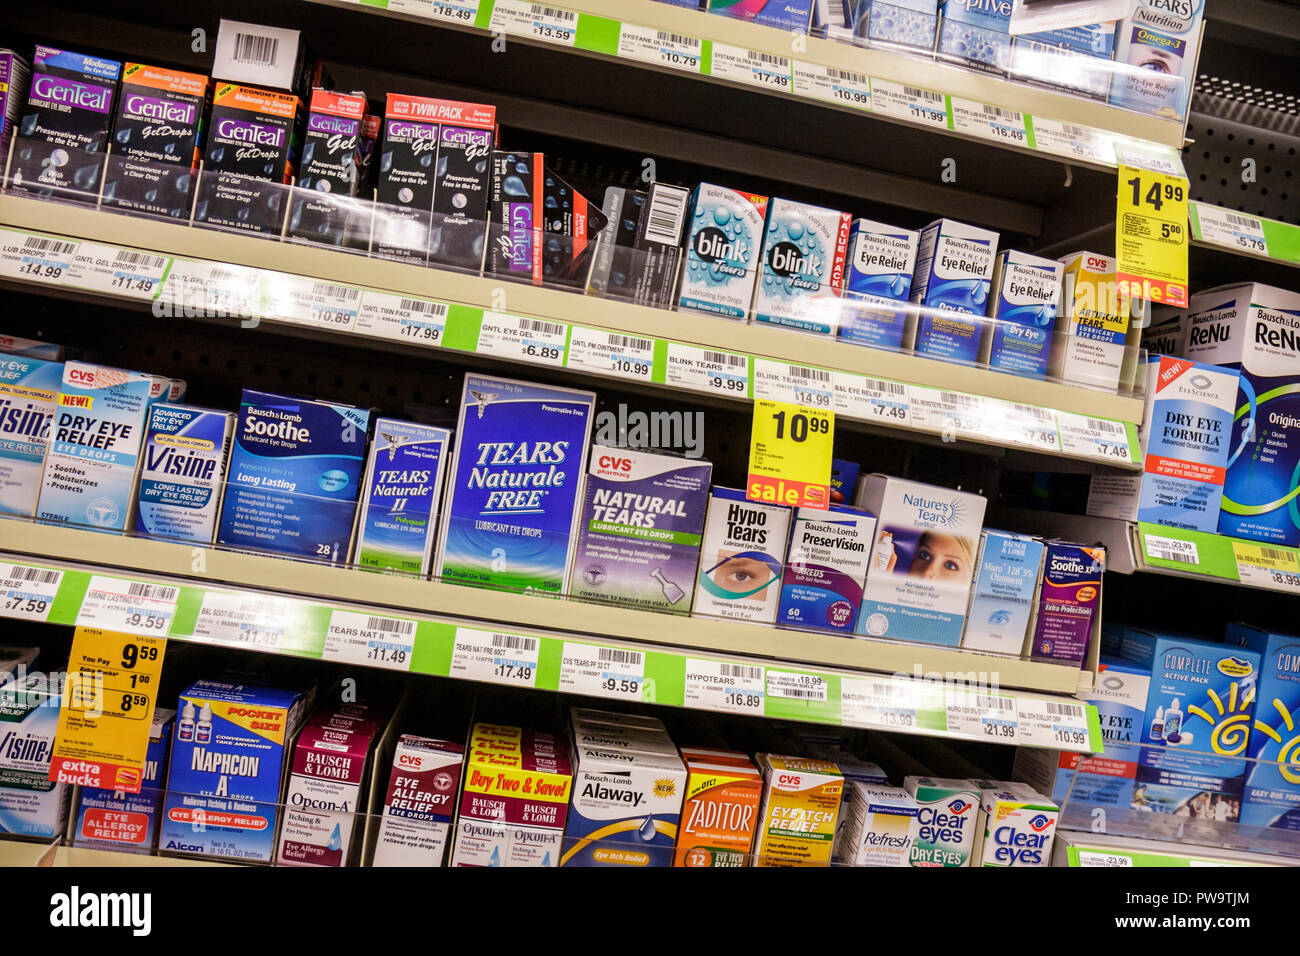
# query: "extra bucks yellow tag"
(1151, 235)
(790, 455)
(107, 710)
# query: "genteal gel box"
(29, 390)
(1002, 600)
(1272, 792)
(91, 461)
(954, 265)
(183, 472)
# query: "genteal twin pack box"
(29, 391)
(183, 474)
(1272, 791)
(294, 476)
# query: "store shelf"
(60, 575)
(952, 101)
(1099, 849)
(880, 388)
(1197, 554)
(1231, 246)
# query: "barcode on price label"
(602, 671)
(782, 382)
(660, 47)
(132, 606)
(706, 370)
(1172, 549)
(989, 122)
(832, 85)
(536, 21)
(1076, 142)
(751, 67)
(910, 103)
(795, 686)
(54, 248)
(611, 353)
(420, 322)
(495, 657)
(523, 339)
(35, 258)
(1231, 229)
(28, 593)
(370, 639)
(723, 686)
(1098, 438)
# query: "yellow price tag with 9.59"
(790, 454)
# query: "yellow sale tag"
(790, 455)
(107, 710)
(1151, 235)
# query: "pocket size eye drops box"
(294, 474)
(918, 584)
(801, 803)
(420, 802)
(724, 241)
(947, 814)
(1002, 599)
(1069, 602)
(1158, 41)
(742, 558)
(804, 249)
(826, 568)
(1093, 327)
(401, 497)
(29, 391)
(31, 805)
(1272, 792)
(881, 261)
(1026, 295)
(183, 474)
(515, 485)
(91, 459)
(954, 266)
(128, 821)
(253, 138)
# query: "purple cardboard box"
(14, 74)
(1069, 603)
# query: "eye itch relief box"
(401, 497)
(512, 504)
(880, 264)
(1069, 602)
(1074, 58)
(1256, 328)
(128, 821)
(882, 826)
(918, 584)
(1015, 827)
(157, 135)
(332, 171)
(804, 250)
(294, 473)
(975, 33)
(801, 802)
(1271, 797)
(419, 803)
(15, 74)
(638, 253)
(1026, 296)
(31, 805)
(947, 814)
(783, 14)
(227, 769)
(742, 558)
(183, 473)
(29, 391)
(515, 799)
(1094, 323)
(954, 266)
(1159, 42)
(90, 464)
(826, 568)
(1002, 599)
(65, 125)
(719, 813)
(1200, 705)
(723, 245)
(639, 537)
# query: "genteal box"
(29, 390)
(128, 822)
(1272, 792)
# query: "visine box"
(1094, 323)
(31, 805)
(882, 826)
(975, 33)
(804, 249)
(1256, 328)
(639, 536)
(1069, 602)
(801, 803)
(157, 136)
(228, 768)
(294, 473)
(334, 157)
(516, 480)
(183, 474)
(719, 813)
(947, 813)
(638, 253)
(826, 569)
(15, 74)
(1075, 58)
(65, 125)
(1026, 296)
(29, 391)
(1002, 600)
(1158, 45)
(1015, 827)
(922, 562)
(401, 497)
(128, 821)
(1272, 791)
(783, 14)
(420, 802)
(723, 245)
(90, 464)
(880, 264)
(742, 558)
(954, 266)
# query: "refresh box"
(880, 264)
(826, 568)
(29, 391)
(294, 474)
(804, 249)
(183, 473)
(128, 821)
(954, 267)
(1272, 791)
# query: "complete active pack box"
(333, 172)
(29, 391)
(294, 475)
(1272, 793)
(420, 802)
(826, 568)
(183, 474)
(128, 821)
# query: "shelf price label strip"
(1242, 232)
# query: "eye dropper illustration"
(483, 398)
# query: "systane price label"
(660, 47)
(707, 370)
(1092, 858)
(525, 340)
(989, 122)
(767, 71)
(611, 353)
(1075, 142)
(372, 639)
(495, 657)
(870, 399)
(137, 607)
(795, 685)
(909, 102)
(724, 687)
(27, 592)
(939, 412)
(536, 21)
(795, 384)
(1098, 438)
(832, 85)
(990, 717)
(242, 620)
(891, 704)
(1058, 724)
(1232, 229)
(310, 301)
(1258, 565)
(602, 671)
(401, 318)
(1172, 549)
(35, 258)
(126, 273)
(212, 289)
(453, 11)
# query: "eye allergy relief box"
(228, 769)
(420, 802)
(294, 474)
(954, 267)
(29, 390)
(918, 585)
(804, 250)
(1002, 599)
(31, 805)
(826, 568)
(742, 558)
(1272, 792)
(1256, 328)
(719, 812)
(128, 821)
(183, 473)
